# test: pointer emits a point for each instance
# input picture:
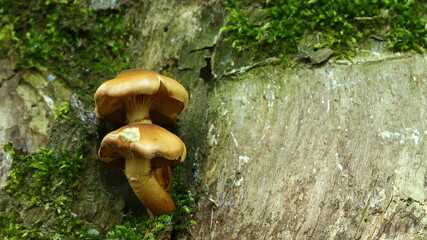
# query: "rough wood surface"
(336, 152)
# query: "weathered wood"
(336, 152)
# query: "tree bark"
(329, 152)
(336, 152)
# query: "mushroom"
(147, 151)
(140, 96)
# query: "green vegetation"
(276, 27)
(43, 182)
(38, 198)
(61, 113)
(81, 47)
(49, 174)
(65, 37)
(72, 43)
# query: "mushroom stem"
(138, 110)
(164, 178)
(143, 182)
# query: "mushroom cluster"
(143, 99)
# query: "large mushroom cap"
(169, 97)
(146, 141)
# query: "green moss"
(41, 188)
(38, 199)
(82, 47)
(61, 113)
(67, 38)
(43, 183)
(11, 228)
(277, 26)
(48, 174)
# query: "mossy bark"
(331, 151)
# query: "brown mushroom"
(140, 96)
(144, 148)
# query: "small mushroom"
(144, 149)
(140, 96)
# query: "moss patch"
(56, 193)
(276, 27)
(42, 183)
(67, 38)
(38, 198)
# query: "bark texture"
(27, 106)
(336, 152)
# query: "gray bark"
(336, 152)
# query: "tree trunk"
(336, 152)
(328, 152)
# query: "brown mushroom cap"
(146, 150)
(144, 140)
(168, 97)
